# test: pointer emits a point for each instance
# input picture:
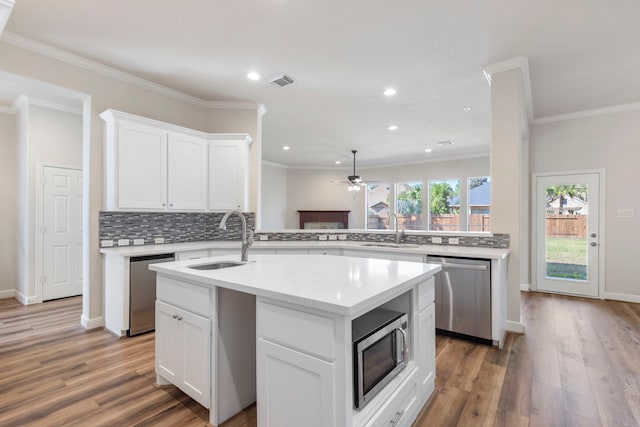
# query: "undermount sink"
(391, 245)
(217, 265)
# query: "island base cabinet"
(183, 342)
(427, 346)
(294, 389)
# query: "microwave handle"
(405, 348)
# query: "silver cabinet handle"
(175, 316)
(405, 347)
(397, 418)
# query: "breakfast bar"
(277, 330)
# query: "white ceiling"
(583, 54)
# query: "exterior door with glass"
(567, 235)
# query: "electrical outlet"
(123, 242)
(454, 241)
(333, 237)
(158, 240)
(263, 237)
(322, 237)
(106, 243)
(138, 242)
(625, 213)
(436, 239)
(342, 237)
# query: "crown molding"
(587, 113)
(87, 64)
(521, 63)
(6, 6)
(274, 164)
(55, 106)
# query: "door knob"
(593, 235)
(594, 244)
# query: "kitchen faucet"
(246, 240)
(399, 233)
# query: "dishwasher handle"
(460, 266)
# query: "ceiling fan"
(354, 182)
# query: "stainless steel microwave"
(380, 351)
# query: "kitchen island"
(277, 330)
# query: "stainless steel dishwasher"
(142, 293)
(463, 297)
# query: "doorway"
(61, 231)
(567, 229)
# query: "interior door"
(61, 233)
(567, 236)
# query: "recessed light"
(390, 91)
(428, 150)
(338, 162)
(286, 148)
(252, 75)
(393, 127)
(466, 108)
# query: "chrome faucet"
(246, 240)
(399, 233)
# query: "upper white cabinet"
(228, 174)
(156, 166)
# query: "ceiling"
(583, 54)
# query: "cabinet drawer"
(309, 333)
(397, 412)
(426, 294)
(181, 256)
(189, 297)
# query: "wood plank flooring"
(578, 365)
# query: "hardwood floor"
(578, 365)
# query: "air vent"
(282, 80)
(443, 143)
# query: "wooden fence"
(451, 222)
(573, 226)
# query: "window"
(378, 199)
(479, 196)
(444, 205)
(409, 205)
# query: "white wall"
(52, 137)
(609, 142)
(9, 205)
(274, 196)
(310, 189)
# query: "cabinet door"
(305, 398)
(187, 172)
(427, 345)
(168, 354)
(196, 361)
(228, 171)
(142, 167)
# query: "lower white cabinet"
(383, 255)
(305, 398)
(427, 345)
(183, 342)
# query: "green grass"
(567, 258)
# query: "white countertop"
(338, 284)
(450, 250)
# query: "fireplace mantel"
(324, 219)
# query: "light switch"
(123, 242)
(106, 243)
(625, 213)
(436, 239)
(454, 241)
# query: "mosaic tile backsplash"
(203, 226)
(174, 227)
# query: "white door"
(61, 233)
(567, 236)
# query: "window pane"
(378, 197)
(409, 205)
(444, 205)
(479, 194)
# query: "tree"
(410, 200)
(441, 193)
(477, 182)
(564, 191)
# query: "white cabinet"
(229, 174)
(383, 255)
(186, 172)
(183, 340)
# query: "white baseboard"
(94, 323)
(25, 300)
(516, 327)
(622, 297)
(525, 287)
(9, 293)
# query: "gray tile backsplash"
(203, 226)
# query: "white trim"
(522, 63)
(274, 164)
(622, 297)
(81, 62)
(525, 287)
(8, 293)
(588, 113)
(94, 323)
(39, 102)
(87, 249)
(23, 299)
(516, 327)
(6, 6)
